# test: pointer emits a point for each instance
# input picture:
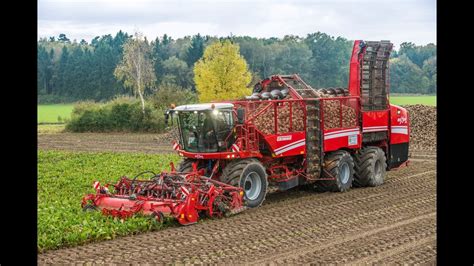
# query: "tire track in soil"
(418, 238)
(315, 220)
(351, 247)
(307, 221)
(424, 253)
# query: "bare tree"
(136, 67)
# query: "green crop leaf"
(65, 177)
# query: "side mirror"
(240, 115)
(168, 113)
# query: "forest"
(70, 71)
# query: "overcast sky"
(395, 20)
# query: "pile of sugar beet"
(422, 126)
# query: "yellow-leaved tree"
(222, 73)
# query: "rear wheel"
(370, 167)
(250, 175)
(338, 164)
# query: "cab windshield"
(205, 131)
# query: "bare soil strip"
(100, 142)
(392, 223)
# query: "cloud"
(397, 20)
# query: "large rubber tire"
(186, 165)
(370, 167)
(250, 175)
(340, 165)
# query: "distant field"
(49, 113)
(405, 100)
(50, 129)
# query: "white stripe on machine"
(330, 135)
(340, 131)
(291, 144)
(294, 146)
(374, 129)
(342, 134)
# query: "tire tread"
(364, 162)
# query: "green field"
(49, 113)
(65, 177)
(405, 100)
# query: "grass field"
(405, 100)
(49, 113)
(65, 177)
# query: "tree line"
(70, 70)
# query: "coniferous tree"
(195, 51)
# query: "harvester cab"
(204, 128)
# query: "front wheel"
(186, 165)
(250, 175)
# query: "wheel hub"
(345, 173)
(252, 185)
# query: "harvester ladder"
(313, 140)
(253, 138)
(374, 80)
(250, 137)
